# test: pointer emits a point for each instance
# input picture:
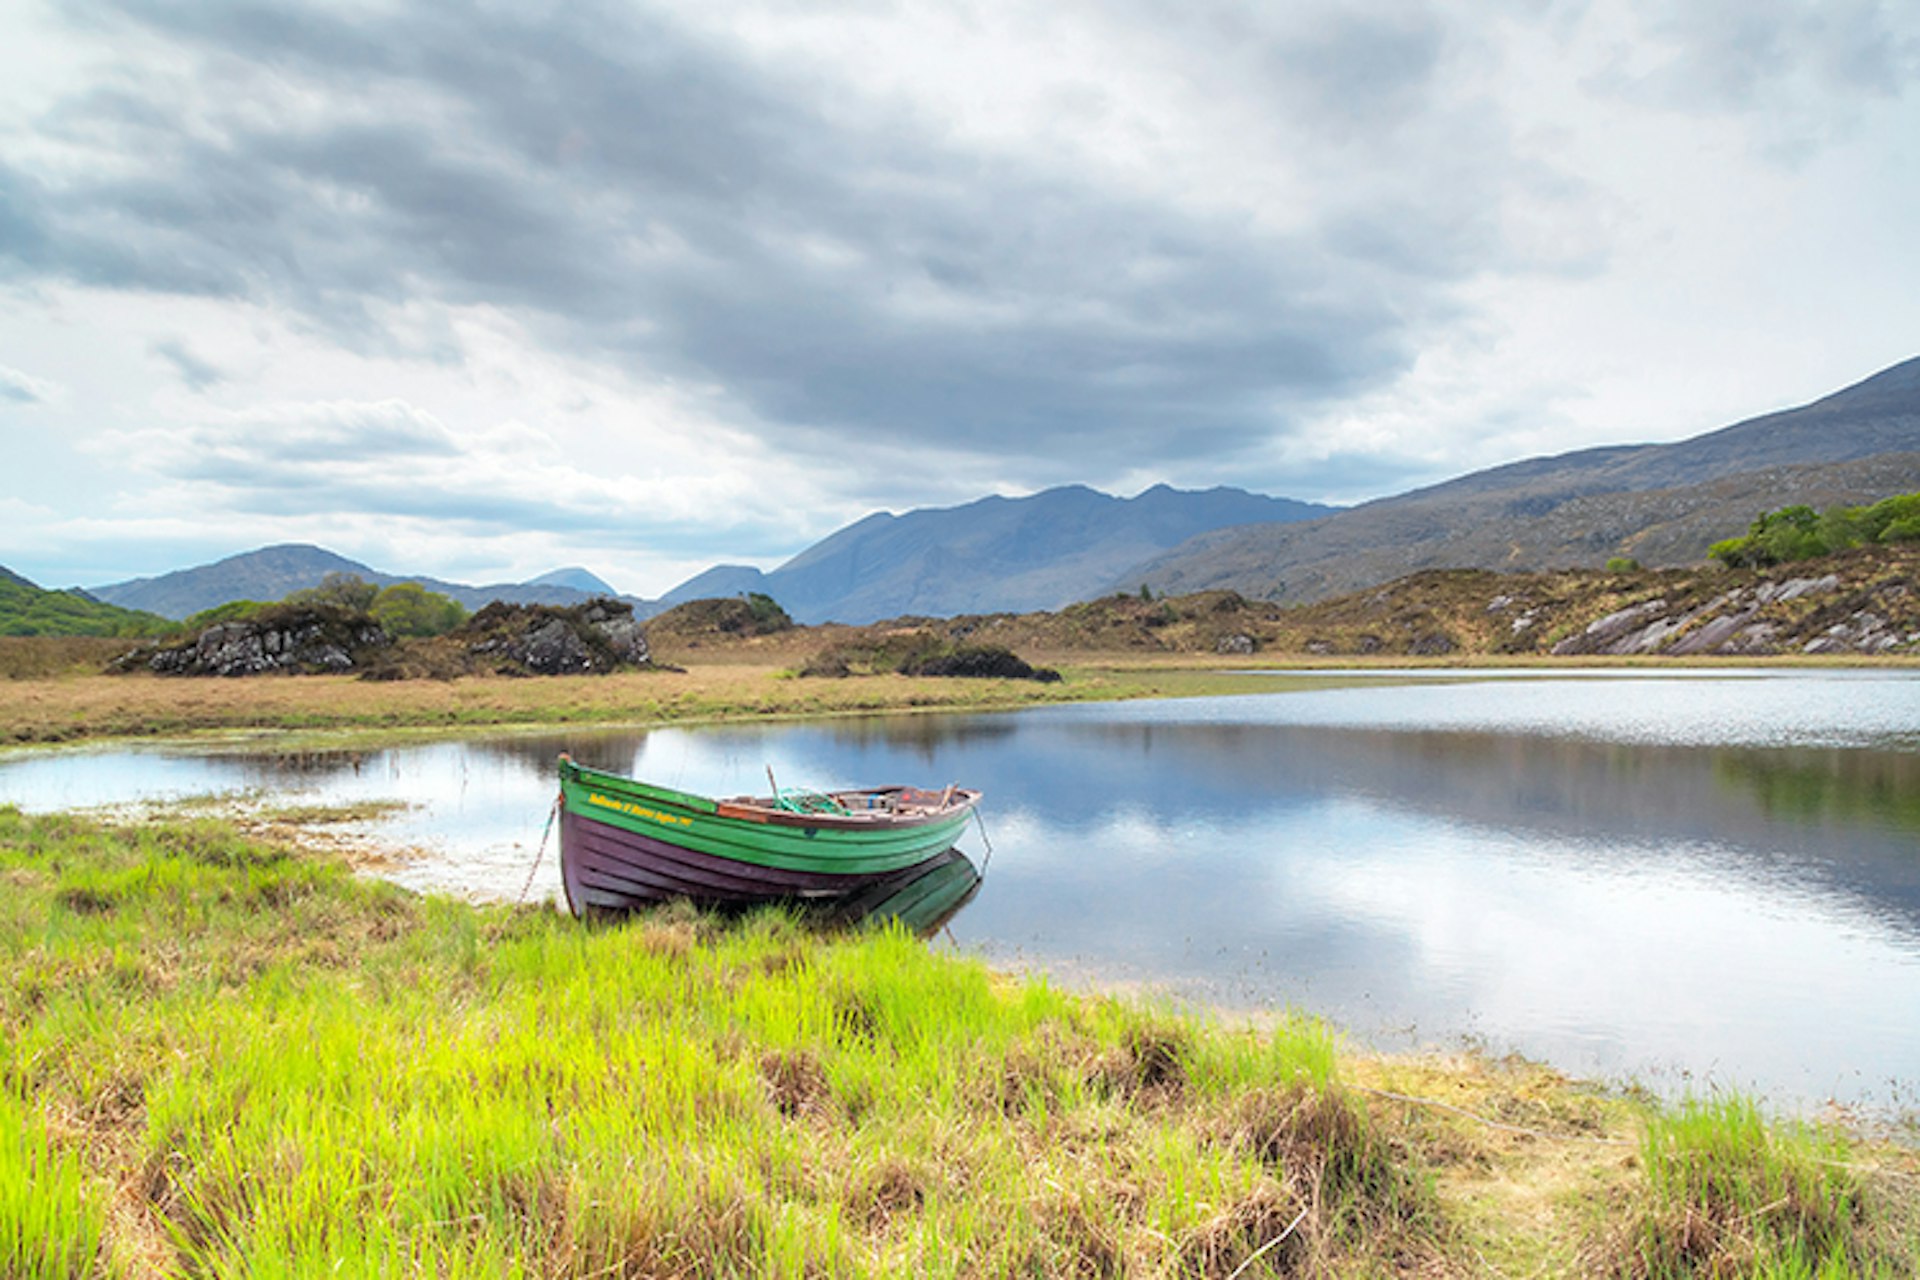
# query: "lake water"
(1685, 879)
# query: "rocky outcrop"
(979, 662)
(1787, 612)
(1863, 601)
(599, 636)
(304, 640)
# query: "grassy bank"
(224, 1057)
(75, 707)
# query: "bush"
(979, 662)
(342, 590)
(409, 609)
(231, 611)
(768, 616)
(922, 653)
(1801, 533)
(1623, 564)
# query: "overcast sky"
(479, 290)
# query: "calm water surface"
(1686, 879)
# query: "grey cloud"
(290, 488)
(655, 199)
(389, 459)
(347, 434)
(16, 392)
(1802, 66)
(23, 221)
(1358, 73)
(22, 388)
(198, 374)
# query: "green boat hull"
(626, 843)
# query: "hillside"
(28, 610)
(1037, 552)
(1865, 602)
(1661, 504)
(270, 573)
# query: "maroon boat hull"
(608, 868)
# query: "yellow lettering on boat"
(638, 810)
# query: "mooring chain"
(987, 861)
(540, 853)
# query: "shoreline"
(349, 832)
(53, 711)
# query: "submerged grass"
(223, 1057)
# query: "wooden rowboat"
(627, 844)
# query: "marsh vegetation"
(228, 1057)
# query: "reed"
(222, 1057)
(1727, 1192)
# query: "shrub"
(1800, 533)
(409, 609)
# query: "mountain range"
(995, 555)
(270, 573)
(1662, 504)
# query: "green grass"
(50, 1223)
(1729, 1193)
(226, 1058)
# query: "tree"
(409, 609)
(343, 590)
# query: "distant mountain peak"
(576, 577)
(8, 575)
(272, 572)
(993, 554)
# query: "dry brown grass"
(39, 657)
(65, 709)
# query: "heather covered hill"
(1660, 504)
(29, 610)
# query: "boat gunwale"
(760, 811)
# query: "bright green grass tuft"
(51, 1221)
(1730, 1193)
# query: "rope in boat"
(802, 800)
(540, 853)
